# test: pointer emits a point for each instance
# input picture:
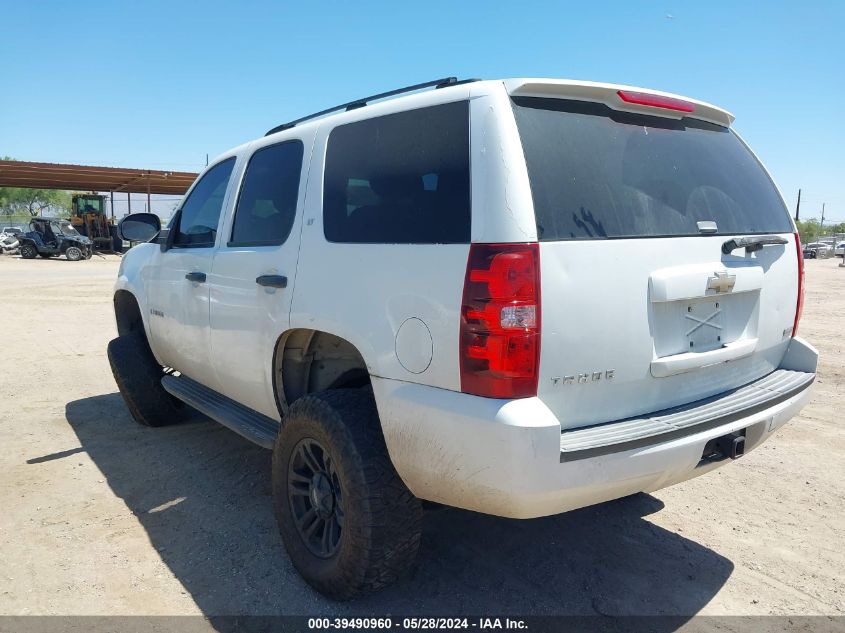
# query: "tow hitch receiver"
(719, 448)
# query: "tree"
(811, 230)
(18, 201)
(808, 230)
(837, 228)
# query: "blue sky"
(160, 84)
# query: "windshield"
(65, 228)
(597, 173)
(89, 204)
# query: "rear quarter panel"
(365, 292)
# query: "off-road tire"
(381, 528)
(73, 254)
(28, 251)
(138, 377)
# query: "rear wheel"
(28, 251)
(73, 253)
(349, 523)
(138, 377)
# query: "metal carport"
(14, 173)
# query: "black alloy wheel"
(28, 251)
(349, 523)
(316, 498)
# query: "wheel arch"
(127, 313)
(307, 360)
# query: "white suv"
(517, 297)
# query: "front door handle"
(197, 277)
(272, 281)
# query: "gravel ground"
(101, 516)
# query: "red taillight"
(500, 321)
(799, 308)
(655, 101)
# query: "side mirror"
(139, 227)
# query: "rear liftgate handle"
(272, 281)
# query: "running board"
(688, 419)
(244, 421)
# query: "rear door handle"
(197, 277)
(272, 281)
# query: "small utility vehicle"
(52, 237)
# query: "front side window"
(267, 203)
(400, 179)
(197, 225)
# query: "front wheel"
(73, 253)
(138, 377)
(28, 251)
(349, 523)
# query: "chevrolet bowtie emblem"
(721, 282)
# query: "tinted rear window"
(400, 179)
(597, 173)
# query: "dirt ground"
(101, 516)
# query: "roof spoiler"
(618, 97)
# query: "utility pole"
(821, 224)
(798, 206)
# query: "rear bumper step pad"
(688, 419)
(252, 425)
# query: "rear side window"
(200, 212)
(598, 173)
(267, 201)
(400, 179)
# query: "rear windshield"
(598, 173)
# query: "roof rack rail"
(360, 103)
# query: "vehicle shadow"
(202, 493)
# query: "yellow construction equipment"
(88, 216)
